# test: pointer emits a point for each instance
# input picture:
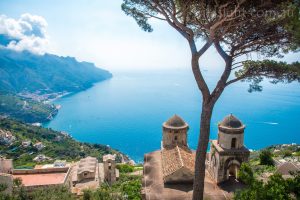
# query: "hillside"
(24, 72)
(57, 145)
(25, 109)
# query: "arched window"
(233, 143)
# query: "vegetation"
(25, 109)
(125, 168)
(51, 193)
(235, 29)
(46, 73)
(127, 187)
(246, 174)
(58, 145)
(265, 157)
(276, 188)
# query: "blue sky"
(98, 31)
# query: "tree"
(235, 28)
(276, 188)
(246, 174)
(265, 157)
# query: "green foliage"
(17, 182)
(52, 193)
(46, 73)
(265, 157)
(294, 25)
(245, 173)
(48, 193)
(275, 189)
(65, 148)
(25, 110)
(294, 184)
(125, 168)
(139, 17)
(286, 153)
(127, 187)
(2, 187)
(256, 71)
(87, 195)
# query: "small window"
(175, 138)
(109, 167)
(233, 143)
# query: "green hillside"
(58, 145)
(44, 74)
(25, 109)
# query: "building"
(285, 169)
(41, 158)
(6, 165)
(177, 159)
(88, 173)
(43, 177)
(169, 172)
(228, 152)
(109, 167)
(39, 146)
(6, 137)
(26, 144)
(87, 168)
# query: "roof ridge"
(180, 158)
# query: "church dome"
(176, 122)
(231, 121)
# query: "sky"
(98, 31)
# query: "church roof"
(231, 121)
(175, 121)
(87, 164)
(176, 158)
(286, 168)
(109, 157)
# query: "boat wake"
(271, 123)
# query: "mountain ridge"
(48, 73)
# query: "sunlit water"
(127, 111)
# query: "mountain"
(26, 110)
(24, 72)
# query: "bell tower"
(174, 132)
(109, 165)
(228, 152)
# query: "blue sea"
(127, 111)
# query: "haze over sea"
(127, 111)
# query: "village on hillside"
(167, 173)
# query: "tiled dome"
(231, 121)
(175, 121)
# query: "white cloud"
(26, 33)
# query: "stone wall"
(7, 179)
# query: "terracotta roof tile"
(176, 158)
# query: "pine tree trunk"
(198, 187)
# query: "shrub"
(246, 174)
(265, 157)
(125, 168)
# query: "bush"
(125, 168)
(276, 188)
(265, 158)
(246, 174)
(286, 153)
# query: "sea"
(127, 111)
